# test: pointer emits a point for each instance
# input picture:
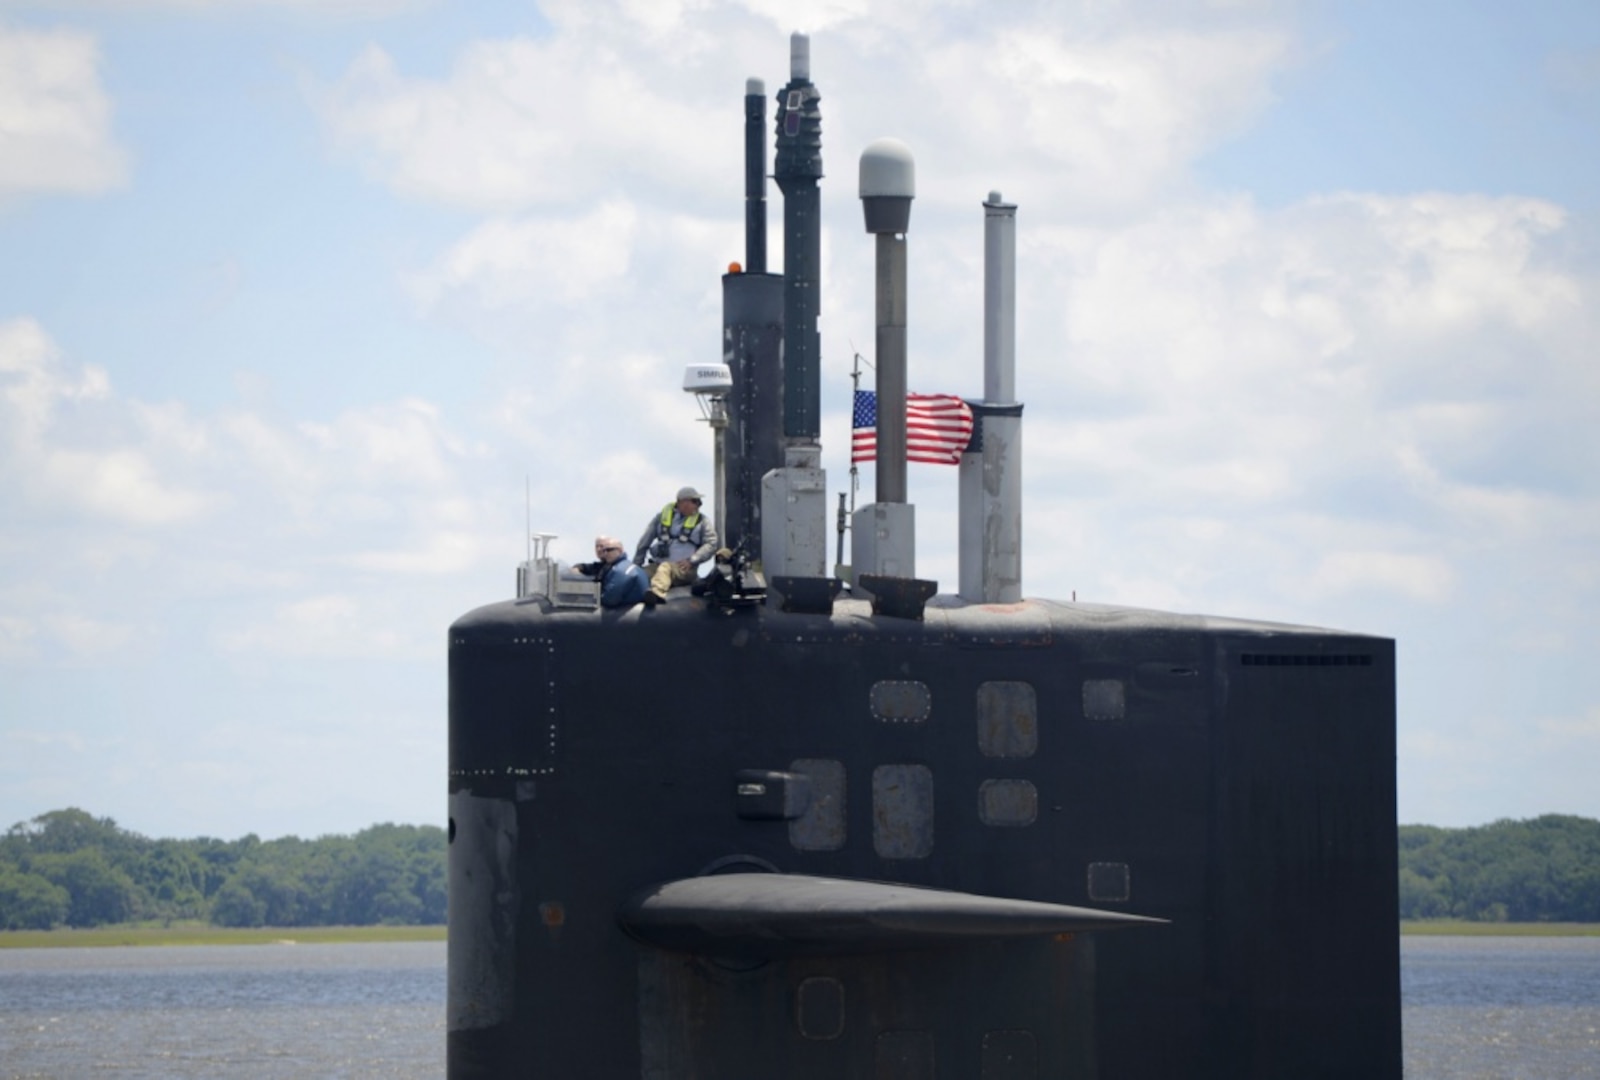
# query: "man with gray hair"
(622, 584)
(676, 541)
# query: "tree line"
(1546, 869)
(69, 868)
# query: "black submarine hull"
(1230, 781)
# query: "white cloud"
(16, 639)
(114, 500)
(1420, 577)
(445, 552)
(118, 484)
(89, 638)
(55, 118)
(34, 382)
(1361, 291)
(1095, 117)
(326, 8)
(1388, 339)
(1585, 727)
(518, 123)
(1464, 767)
(69, 740)
(1336, 413)
(279, 459)
(387, 443)
(312, 626)
(505, 263)
(1096, 121)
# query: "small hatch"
(900, 701)
(1104, 699)
(1108, 881)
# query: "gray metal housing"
(752, 343)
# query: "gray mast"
(755, 177)
(990, 530)
(883, 534)
(797, 168)
(794, 512)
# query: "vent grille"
(1305, 659)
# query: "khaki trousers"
(664, 576)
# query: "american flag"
(937, 428)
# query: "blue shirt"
(622, 584)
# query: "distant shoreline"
(201, 934)
(195, 934)
(1464, 928)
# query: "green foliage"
(63, 832)
(68, 867)
(236, 905)
(100, 892)
(31, 902)
(1546, 869)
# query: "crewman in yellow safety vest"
(675, 543)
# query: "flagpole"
(855, 473)
(855, 477)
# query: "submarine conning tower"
(862, 829)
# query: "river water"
(224, 1011)
(1474, 1009)
(1501, 1008)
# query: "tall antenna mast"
(843, 519)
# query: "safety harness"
(687, 527)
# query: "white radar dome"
(708, 379)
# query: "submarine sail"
(901, 833)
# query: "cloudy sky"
(299, 297)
